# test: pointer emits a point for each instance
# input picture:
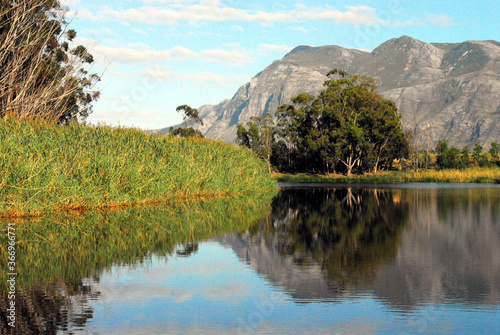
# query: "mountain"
(444, 90)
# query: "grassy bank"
(472, 175)
(46, 168)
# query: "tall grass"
(472, 175)
(45, 168)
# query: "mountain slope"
(443, 90)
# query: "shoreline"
(468, 176)
(81, 208)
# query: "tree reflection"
(406, 245)
(349, 231)
(186, 249)
(48, 308)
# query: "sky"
(155, 55)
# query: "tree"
(477, 152)
(480, 159)
(185, 132)
(191, 115)
(447, 158)
(494, 152)
(259, 136)
(465, 159)
(442, 154)
(41, 76)
(348, 126)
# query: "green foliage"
(477, 152)
(447, 158)
(465, 161)
(45, 167)
(186, 132)
(41, 75)
(348, 128)
(452, 158)
(494, 152)
(479, 157)
(192, 115)
(259, 137)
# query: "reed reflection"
(55, 255)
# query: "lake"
(317, 258)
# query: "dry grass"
(472, 175)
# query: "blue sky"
(159, 54)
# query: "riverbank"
(472, 175)
(46, 168)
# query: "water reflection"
(408, 247)
(377, 259)
(450, 253)
(58, 258)
(325, 243)
(49, 307)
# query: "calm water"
(326, 259)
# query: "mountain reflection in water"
(408, 247)
(396, 249)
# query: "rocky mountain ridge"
(443, 90)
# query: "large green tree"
(348, 127)
(42, 74)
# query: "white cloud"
(212, 11)
(158, 74)
(171, 12)
(142, 53)
(301, 29)
(275, 48)
(234, 57)
(139, 31)
(441, 20)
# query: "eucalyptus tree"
(191, 116)
(42, 74)
(259, 136)
(347, 127)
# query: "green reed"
(47, 167)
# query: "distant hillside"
(444, 90)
